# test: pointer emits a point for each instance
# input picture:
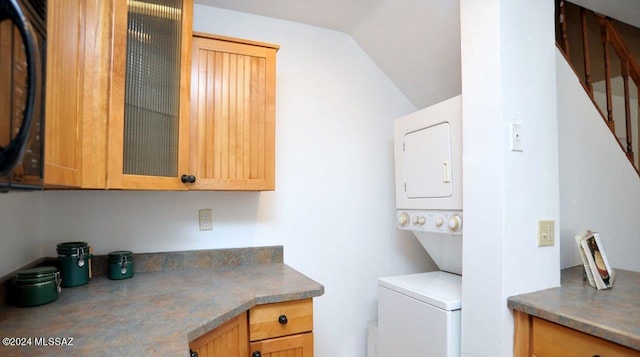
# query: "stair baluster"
(585, 46)
(627, 109)
(607, 77)
(610, 38)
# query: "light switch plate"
(516, 137)
(205, 218)
(546, 233)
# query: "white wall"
(599, 188)
(508, 68)
(19, 229)
(333, 208)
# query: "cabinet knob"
(188, 179)
(256, 354)
(283, 319)
(193, 353)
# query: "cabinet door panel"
(291, 346)
(64, 94)
(149, 119)
(79, 43)
(228, 340)
(232, 115)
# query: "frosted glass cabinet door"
(148, 136)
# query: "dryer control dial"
(449, 222)
(454, 223)
(418, 220)
(403, 219)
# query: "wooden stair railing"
(630, 69)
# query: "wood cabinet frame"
(536, 337)
(78, 71)
(232, 113)
(115, 137)
(228, 340)
(85, 106)
(237, 337)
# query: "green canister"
(73, 259)
(36, 286)
(120, 265)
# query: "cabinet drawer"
(280, 319)
(300, 345)
(551, 340)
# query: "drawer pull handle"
(283, 319)
(256, 354)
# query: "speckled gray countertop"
(612, 314)
(153, 313)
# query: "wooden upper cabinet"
(64, 94)
(135, 101)
(232, 136)
(77, 87)
(149, 111)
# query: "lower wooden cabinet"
(541, 338)
(282, 329)
(268, 330)
(228, 340)
(300, 345)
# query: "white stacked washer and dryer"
(419, 314)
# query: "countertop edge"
(576, 323)
(247, 305)
(524, 303)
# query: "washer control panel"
(430, 221)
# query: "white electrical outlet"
(546, 233)
(205, 217)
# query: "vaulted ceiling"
(415, 42)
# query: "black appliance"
(22, 74)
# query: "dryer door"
(428, 157)
(427, 162)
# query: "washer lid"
(437, 288)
